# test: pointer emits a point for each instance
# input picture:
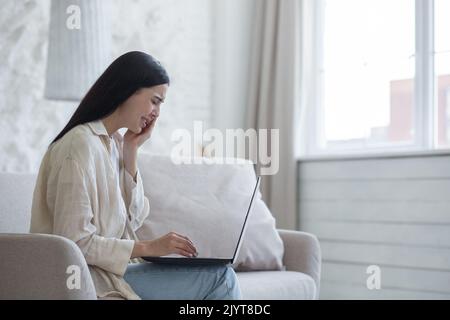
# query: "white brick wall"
(178, 32)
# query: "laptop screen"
(250, 206)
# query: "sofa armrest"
(302, 253)
(35, 266)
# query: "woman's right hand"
(167, 244)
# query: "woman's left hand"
(132, 139)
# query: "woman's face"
(140, 109)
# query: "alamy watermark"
(260, 146)
(73, 21)
(74, 279)
(374, 280)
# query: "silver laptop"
(210, 261)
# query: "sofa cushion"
(16, 192)
(208, 204)
(276, 285)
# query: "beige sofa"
(35, 266)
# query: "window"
(442, 69)
(381, 75)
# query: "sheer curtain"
(274, 97)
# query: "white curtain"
(274, 97)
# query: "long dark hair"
(127, 74)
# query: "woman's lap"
(158, 281)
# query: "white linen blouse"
(84, 193)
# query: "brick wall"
(177, 32)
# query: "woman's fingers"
(149, 128)
(189, 242)
(182, 247)
(185, 245)
(183, 252)
(180, 242)
(152, 124)
(186, 238)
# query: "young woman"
(89, 190)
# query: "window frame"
(425, 89)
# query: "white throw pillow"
(208, 203)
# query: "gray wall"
(233, 38)
(393, 212)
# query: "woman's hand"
(131, 142)
(134, 140)
(167, 244)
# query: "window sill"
(375, 155)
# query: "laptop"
(209, 261)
